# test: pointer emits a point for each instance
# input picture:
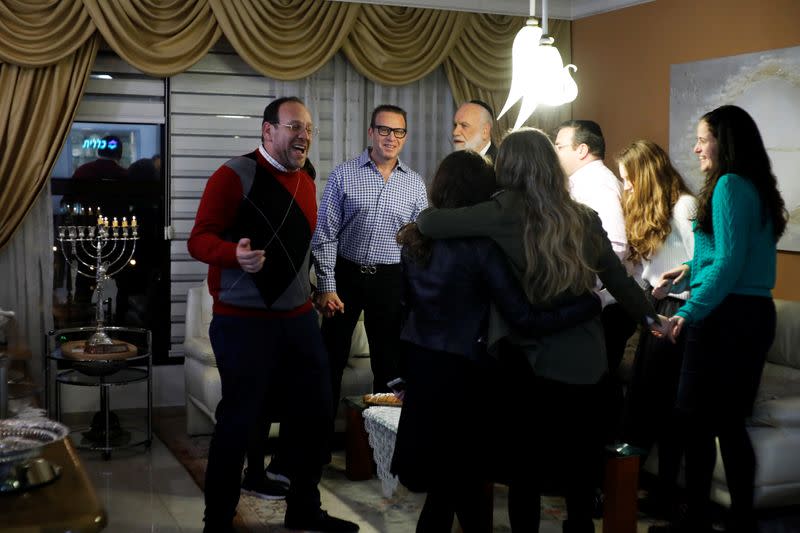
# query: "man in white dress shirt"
(472, 128)
(581, 149)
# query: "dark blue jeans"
(255, 356)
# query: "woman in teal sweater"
(730, 314)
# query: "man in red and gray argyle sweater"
(253, 228)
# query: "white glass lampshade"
(556, 86)
(526, 41)
(538, 76)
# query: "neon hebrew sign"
(99, 144)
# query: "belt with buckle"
(367, 269)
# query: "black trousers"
(721, 372)
(618, 327)
(563, 454)
(256, 357)
(376, 291)
(259, 440)
(650, 401)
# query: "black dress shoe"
(218, 528)
(320, 521)
(578, 526)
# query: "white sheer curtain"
(430, 107)
(341, 101)
(26, 266)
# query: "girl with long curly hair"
(658, 210)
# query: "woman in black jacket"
(558, 248)
(449, 286)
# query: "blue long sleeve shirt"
(360, 214)
(738, 257)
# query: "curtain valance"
(282, 39)
(47, 49)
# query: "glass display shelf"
(121, 377)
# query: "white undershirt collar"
(271, 160)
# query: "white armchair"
(203, 390)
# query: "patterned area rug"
(359, 501)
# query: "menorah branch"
(98, 251)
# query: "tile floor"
(149, 491)
(145, 491)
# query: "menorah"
(98, 251)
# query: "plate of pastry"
(383, 398)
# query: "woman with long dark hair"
(730, 315)
(558, 247)
(445, 428)
(658, 210)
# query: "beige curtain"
(400, 45)
(38, 33)
(36, 110)
(47, 48)
(285, 39)
(158, 37)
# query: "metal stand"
(103, 434)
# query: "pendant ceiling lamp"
(538, 75)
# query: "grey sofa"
(201, 376)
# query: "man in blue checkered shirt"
(356, 256)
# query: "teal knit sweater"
(738, 257)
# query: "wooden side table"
(621, 494)
(67, 504)
(359, 464)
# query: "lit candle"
(124, 222)
(99, 221)
(90, 210)
(105, 221)
(133, 221)
(114, 223)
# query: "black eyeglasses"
(384, 131)
(295, 127)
